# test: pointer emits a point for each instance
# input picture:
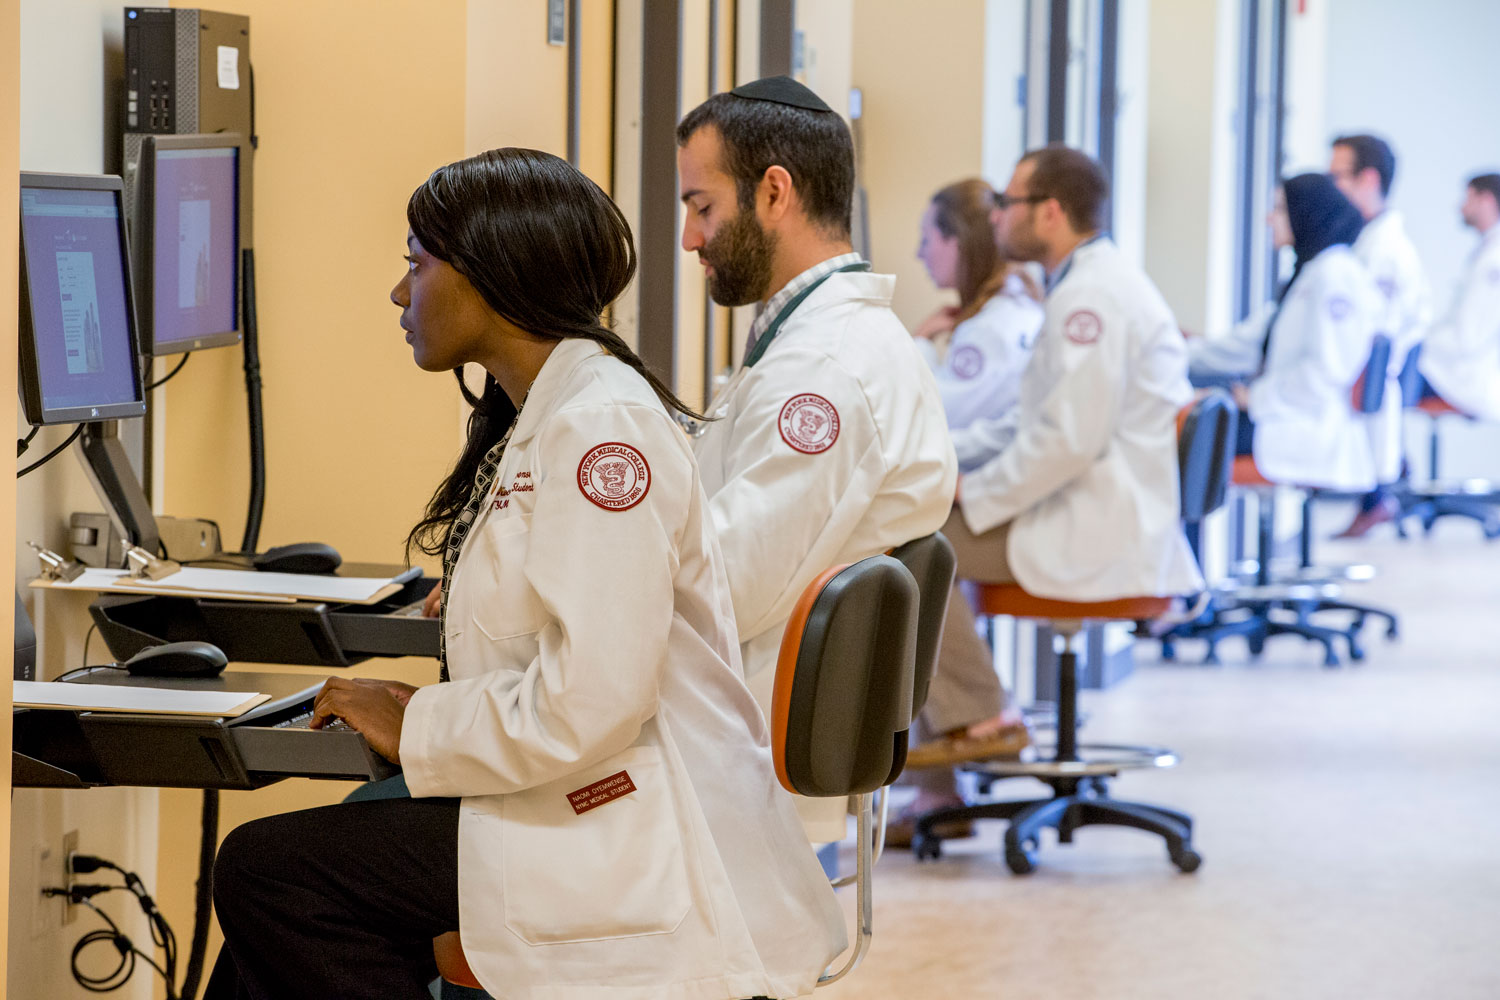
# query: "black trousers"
(342, 901)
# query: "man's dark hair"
(1487, 184)
(814, 147)
(1075, 179)
(1371, 151)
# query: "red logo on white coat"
(967, 362)
(809, 423)
(1083, 326)
(614, 476)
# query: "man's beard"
(1022, 244)
(740, 254)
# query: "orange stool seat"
(452, 964)
(1436, 406)
(1246, 473)
(1010, 599)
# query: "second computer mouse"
(299, 557)
(178, 659)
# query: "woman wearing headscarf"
(1305, 430)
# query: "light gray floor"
(1349, 821)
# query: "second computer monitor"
(186, 232)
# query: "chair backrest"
(1369, 389)
(844, 679)
(1205, 453)
(931, 562)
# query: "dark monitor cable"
(51, 454)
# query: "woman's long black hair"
(548, 251)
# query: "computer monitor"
(77, 325)
(186, 232)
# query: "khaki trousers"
(965, 688)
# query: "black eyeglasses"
(1004, 201)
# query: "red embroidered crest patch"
(967, 362)
(809, 423)
(614, 476)
(600, 792)
(1083, 326)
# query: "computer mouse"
(299, 557)
(178, 659)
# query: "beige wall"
(922, 125)
(1190, 171)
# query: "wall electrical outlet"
(69, 848)
(46, 870)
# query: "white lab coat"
(1461, 356)
(1306, 430)
(1088, 479)
(590, 633)
(980, 376)
(786, 513)
(1404, 315)
(1234, 353)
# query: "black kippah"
(781, 90)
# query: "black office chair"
(1078, 774)
(842, 703)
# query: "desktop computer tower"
(187, 70)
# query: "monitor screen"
(77, 324)
(190, 244)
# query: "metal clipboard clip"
(55, 567)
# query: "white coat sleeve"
(1474, 323)
(983, 439)
(605, 579)
(1237, 352)
(980, 378)
(783, 513)
(1328, 356)
(1071, 427)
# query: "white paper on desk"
(124, 698)
(194, 579)
(349, 589)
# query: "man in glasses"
(1362, 167)
(1077, 497)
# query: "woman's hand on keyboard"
(369, 708)
(399, 690)
(434, 601)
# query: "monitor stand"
(110, 472)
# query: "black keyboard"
(304, 721)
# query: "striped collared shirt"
(777, 302)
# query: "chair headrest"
(1205, 453)
(844, 679)
(931, 562)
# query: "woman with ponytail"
(993, 327)
(593, 806)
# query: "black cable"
(168, 376)
(257, 417)
(204, 895)
(88, 638)
(23, 443)
(83, 670)
(161, 931)
(52, 454)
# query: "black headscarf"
(1321, 217)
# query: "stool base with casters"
(1078, 774)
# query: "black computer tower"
(187, 70)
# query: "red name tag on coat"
(601, 792)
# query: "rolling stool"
(845, 679)
(1078, 774)
(1475, 499)
(1270, 603)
